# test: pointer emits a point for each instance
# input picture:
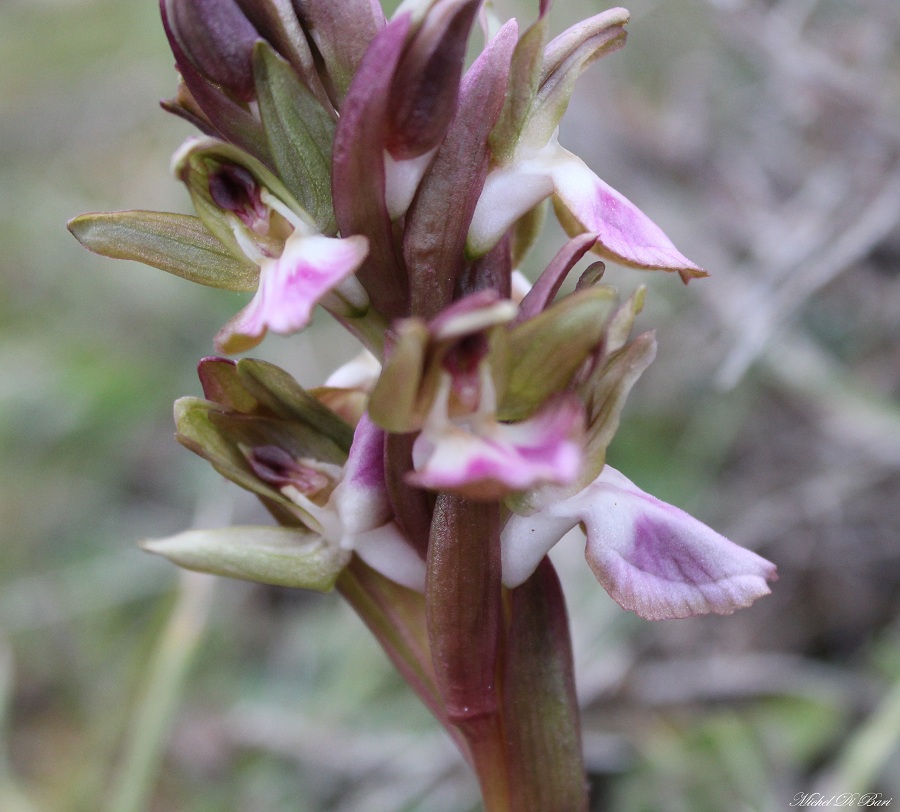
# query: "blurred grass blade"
(161, 694)
(869, 749)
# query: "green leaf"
(268, 555)
(604, 395)
(300, 132)
(543, 353)
(177, 243)
(277, 390)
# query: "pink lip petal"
(625, 233)
(652, 558)
(291, 286)
(490, 460)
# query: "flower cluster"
(354, 162)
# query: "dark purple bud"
(426, 86)
(234, 189)
(217, 39)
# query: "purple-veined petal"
(291, 286)
(488, 460)
(652, 558)
(625, 233)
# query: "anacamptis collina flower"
(354, 162)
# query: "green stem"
(161, 694)
(486, 742)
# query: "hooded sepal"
(238, 199)
(651, 557)
(565, 58)
(280, 556)
(524, 78)
(179, 244)
(419, 351)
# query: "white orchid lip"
(357, 516)
(652, 558)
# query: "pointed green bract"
(300, 132)
(268, 555)
(177, 243)
(547, 350)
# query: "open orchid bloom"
(651, 557)
(312, 269)
(530, 165)
(477, 456)
(253, 214)
(347, 506)
(584, 202)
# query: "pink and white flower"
(585, 203)
(651, 557)
(357, 516)
(312, 269)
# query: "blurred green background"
(764, 136)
